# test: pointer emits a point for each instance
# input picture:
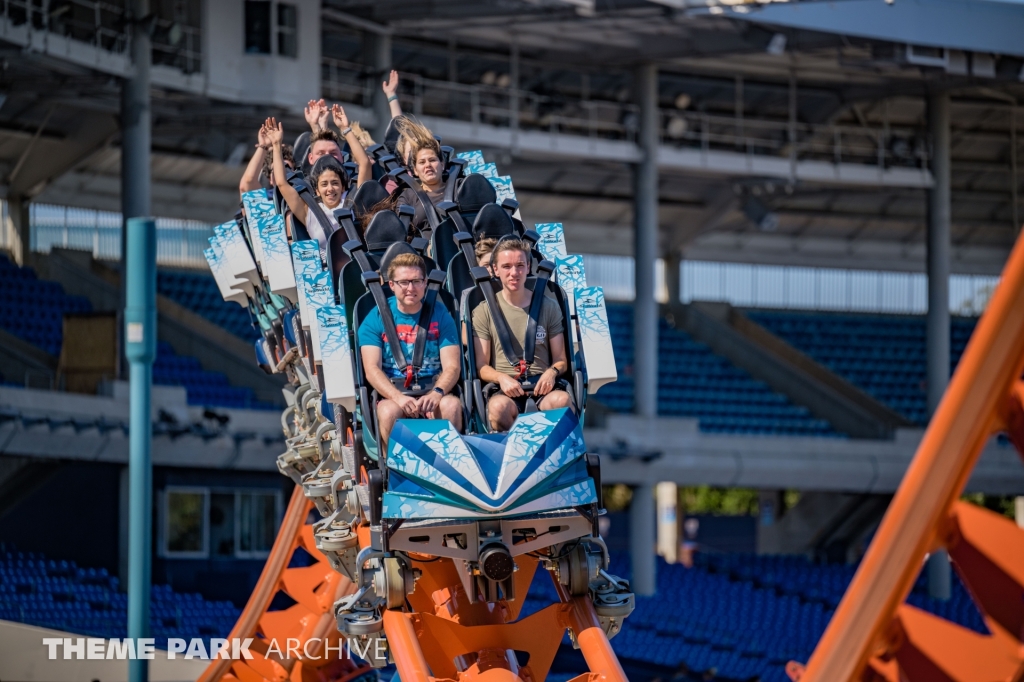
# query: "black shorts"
(490, 390)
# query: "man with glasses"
(441, 355)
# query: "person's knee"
(502, 410)
(556, 400)
(451, 409)
(388, 412)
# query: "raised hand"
(390, 86)
(274, 131)
(321, 114)
(340, 118)
(262, 141)
(312, 114)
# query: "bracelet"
(440, 390)
(392, 98)
(346, 131)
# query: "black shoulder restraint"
(455, 168)
(483, 282)
(356, 250)
(402, 178)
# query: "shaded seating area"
(882, 354)
(694, 382)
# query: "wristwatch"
(439, 390)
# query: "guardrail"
(884, 146)
(104, 25)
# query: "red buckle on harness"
(410, 375)
(523, 367)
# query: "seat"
(366, 196)
(475, 192)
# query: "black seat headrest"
(474, 193)
(391, 136)
(385, 229)
(389, 255)
(300, 149)
(366, 196)
(492, 221)
(326, 162)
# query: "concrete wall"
(259, 78)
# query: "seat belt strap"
(434, 281)
(544, 272)
(455, 167)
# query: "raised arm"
(390, 88)
(251, 177)
(275, 134)
(355, 147)
(316, 115)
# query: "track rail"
(874, 635)
(314, 590)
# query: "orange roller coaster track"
(874, 635)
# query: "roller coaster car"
(468, 515)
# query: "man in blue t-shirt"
(407, 276)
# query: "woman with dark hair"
(327, 178)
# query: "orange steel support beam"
(314, 589)
(983, 397)
(405, 648)
(581, 618)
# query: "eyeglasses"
(407, 283)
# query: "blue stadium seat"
(744, 615)
(198, 292)
(882, 354)
(694, 382)
(86, 601)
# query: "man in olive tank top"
(510, 264)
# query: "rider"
(328, 178)
(510, 264)
(421, 154)
(442, 354)
(262, 164)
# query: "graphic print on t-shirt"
(407, 337)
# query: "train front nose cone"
(496, 563)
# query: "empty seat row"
(694, 382)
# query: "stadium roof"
(738, 84)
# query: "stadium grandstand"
(798, 215)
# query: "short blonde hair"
(504, 245)
(407, 260)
